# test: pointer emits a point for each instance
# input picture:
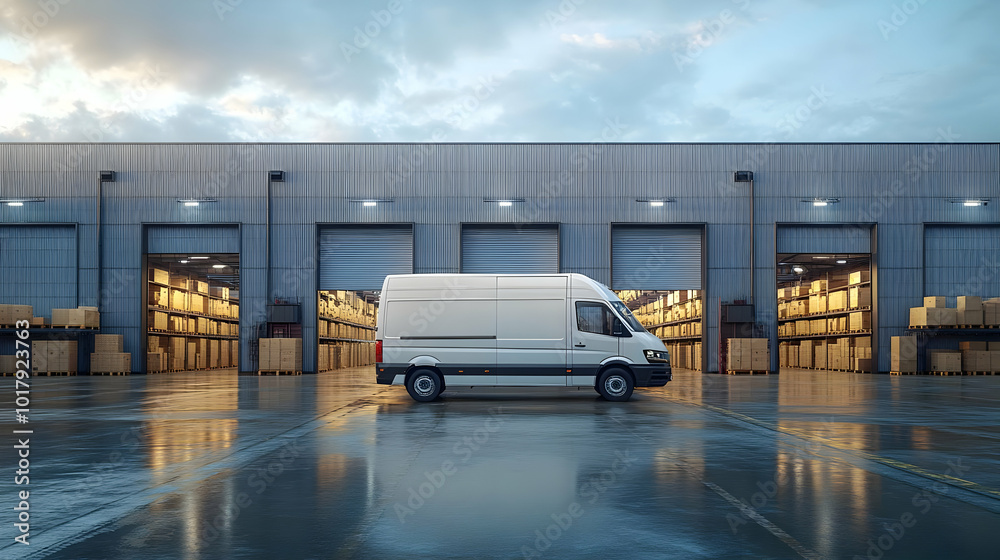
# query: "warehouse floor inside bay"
(811, 464)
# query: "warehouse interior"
(192, 312)
(825, 312)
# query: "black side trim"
(483, 337)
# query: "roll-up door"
(196, 238)
(656, 258)
(359, 258)
(39, 267)
(847, 238)
(961, 260)
(510, 249)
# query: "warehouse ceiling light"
(369, 202)
(970, 201)
(821, 201)
(19, 201)
(655, 202)
(218, 266)
(184, 262)
(198, 258)
(841, 261)
(503, 202)
(799, 269)
(195, 201)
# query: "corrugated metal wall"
(437, 187)
(961, 261)
(38, 267)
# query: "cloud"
(525, 70)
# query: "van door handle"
(580, 345)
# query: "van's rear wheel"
(615, 384)
(424, 385)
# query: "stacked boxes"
(156, 361)
(11, 314)
(81, 317)
(191, 356)
(970, 311)
(54, 356)
(108, 356)
(933, 317)
(747, 354)
(944, 361)
(975, 356)
(991, 312)
(859, 277)
(904, 354)
(159, 276)
(280, 354)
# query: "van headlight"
(657, 356)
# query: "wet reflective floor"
(801, 465)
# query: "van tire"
(424, 385)
(615, 384)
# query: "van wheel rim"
(615, 385)
(423, 385)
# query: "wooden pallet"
(110, 373)
(278, 372)
(978, 373)
(945, 373)
(50, 373)
(747, 372)
(904, 373)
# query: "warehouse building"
(193, 253)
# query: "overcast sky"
(513, 71)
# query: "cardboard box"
(817, 287)
(108, 343)
(11, 314)
(8, 364)
(860, 296)
(970, 303)
(111, 362)
(993, 346)
(973, 345)
(859, 277)
(860, 321)
(79, 317)
(191, 356)
(945, 360)
(159, 276)
(932, 317)
(934, 301)
(155, 362)
(201, 287)
(976, 361)
(969, 317)
(838, 301)
(904, 347)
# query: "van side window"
(594, 318)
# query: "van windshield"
(622, 310)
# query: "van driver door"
(593, 339)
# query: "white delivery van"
(556, 330)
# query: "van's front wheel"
(615, 384)
(424, 385)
